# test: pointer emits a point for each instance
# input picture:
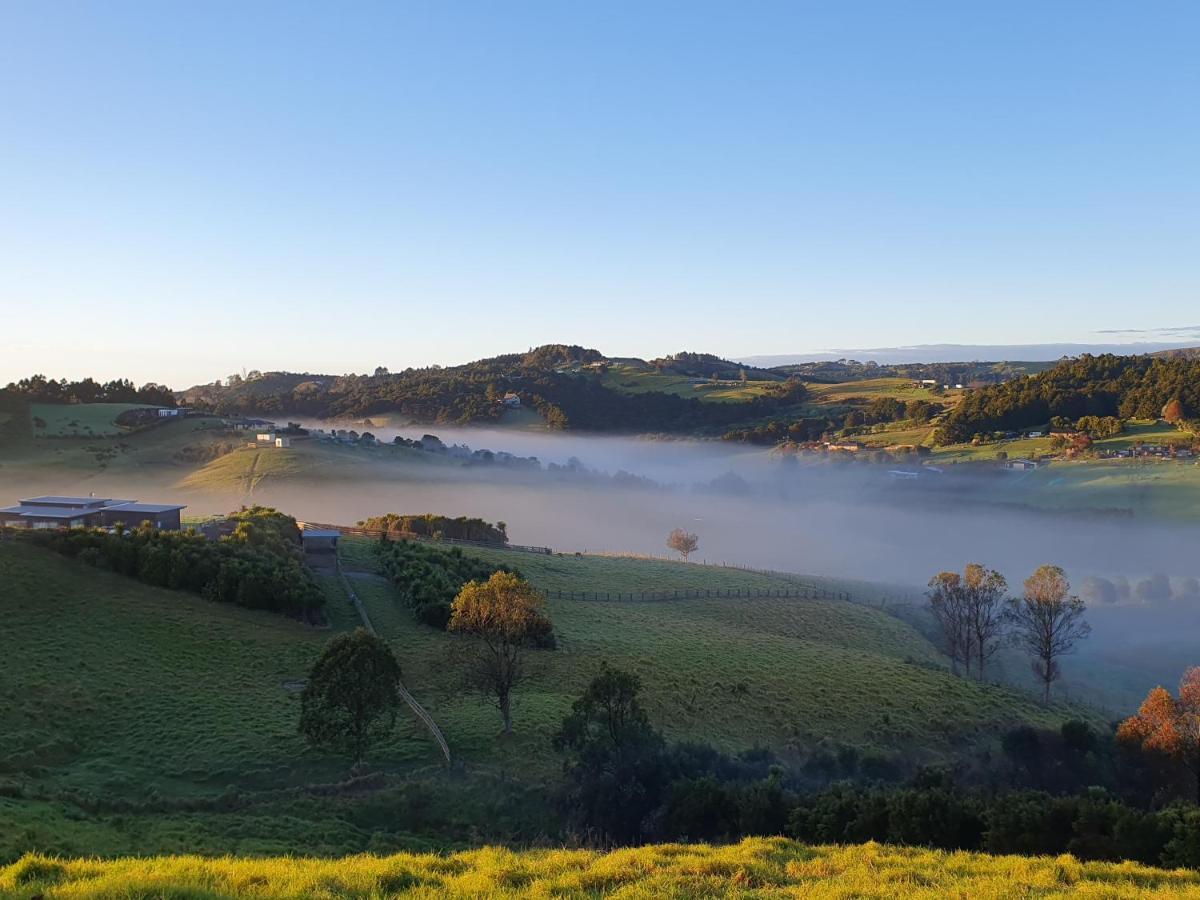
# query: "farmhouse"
(88, 512)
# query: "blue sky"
(333, 187)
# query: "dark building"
(89, 512)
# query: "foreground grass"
(772, 867)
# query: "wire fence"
(802, 593)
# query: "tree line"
(1105, 386)
(260, 565)
(461, 528)
(545, 379)
(40, 389)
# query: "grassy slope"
(80, 419)
(772, 867)
(631, 379)
(148, 707)
(774, 672)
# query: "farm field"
(78, 419)
(759, 867)
(172, 720)
(872, 388)
(637, 380)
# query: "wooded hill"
(1122, 386)
(563, 383)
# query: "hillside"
(171, 721)
(772, 867)
(569, 386)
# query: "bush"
(429, 578)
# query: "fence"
(813, 593)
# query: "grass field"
(757, 867)
(142, 720)
(636, 380)
(872, 388)
(78, 419)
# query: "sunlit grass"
(771, 867)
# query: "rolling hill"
(170, 721)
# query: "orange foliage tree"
(505, 616)
(1169, 725)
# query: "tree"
(986, 595)
(352, 695)
(1169, 725)
(1047, 622)
(504, 615)
(617, 764)
(1173, 412)
(683, 542)
(947, 604)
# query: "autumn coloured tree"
(969, 610)
(1047, 621)
(1169, 726)
(1173, 412)
(683, 542)
(504, 618)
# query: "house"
(265, 437)
(1021, 465)
(89, 512)
(511, 400)
(1037, 434)
(171, 412)
(283, 442)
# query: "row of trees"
(975, 617)
(429, 578)
(432, 525)
(40, 389)
(260, 565)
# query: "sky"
(190, 190)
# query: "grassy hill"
(143, 720)
(771, 867)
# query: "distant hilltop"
(947, 353)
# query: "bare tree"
(682, 542)
(1047, 622)
(947, 603)
(986, 597)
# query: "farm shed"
(320, 540)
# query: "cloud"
(1168, 330)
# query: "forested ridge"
(1107, 385)
(554, 380)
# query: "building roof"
(144, 507)
(69, 501)
(320, 533)
(49, 512)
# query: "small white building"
(511, 400)
(1021, 465)
(283, 442)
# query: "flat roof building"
(89, 512)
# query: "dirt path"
(249, 476)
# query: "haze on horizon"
(190, 191)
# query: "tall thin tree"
(1047, 622)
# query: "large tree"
(948, 606)
(616, 764)
(505, 618)
(1047, 622)
(352, 695)
(986, 592)
(1169, 726)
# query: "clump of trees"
(502, 620)
(352, 695)
(428, 578)
(260, 565)
(1169, 726)
(683, 542)
(432, 525)
(975, 617)
(1105, 386)
(40, 389)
